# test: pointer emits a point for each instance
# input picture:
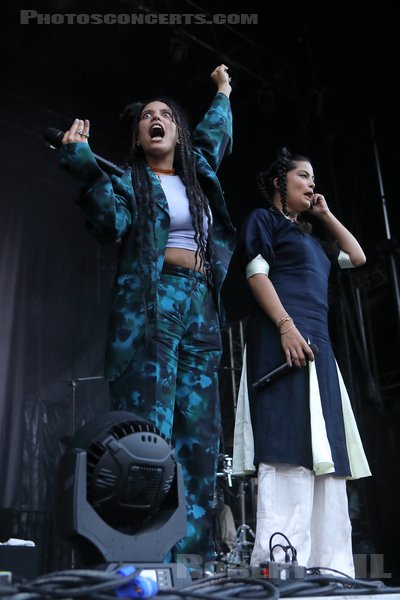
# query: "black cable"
(73, 584)
(265, 584)
(284, 548)
(185, 593)
(227, 589)
(317, 571)
(348, 586)
(100, 585)
(295, 588)
(254, 594)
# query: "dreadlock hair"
(279, 168)
(184, 165)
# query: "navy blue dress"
(280, 411)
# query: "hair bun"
(284, 152)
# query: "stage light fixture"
(120, 495)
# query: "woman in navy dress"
(306, 442)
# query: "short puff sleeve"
(256, 237)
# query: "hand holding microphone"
(79, 132)
(57, 138)
(278, 372)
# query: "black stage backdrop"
(54, 294)
(311, 82)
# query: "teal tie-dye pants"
(173, 382)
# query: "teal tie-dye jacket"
(109, 205)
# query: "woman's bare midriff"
(182, 258)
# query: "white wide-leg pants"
(311, 511)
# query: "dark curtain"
(54, 290)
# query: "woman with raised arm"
(176, 238)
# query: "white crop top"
(181, 232)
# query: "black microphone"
(54, 138)
(278, 372)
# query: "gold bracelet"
(291, 327)
(283, 320)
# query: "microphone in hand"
(278, 372)
(54, 137)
